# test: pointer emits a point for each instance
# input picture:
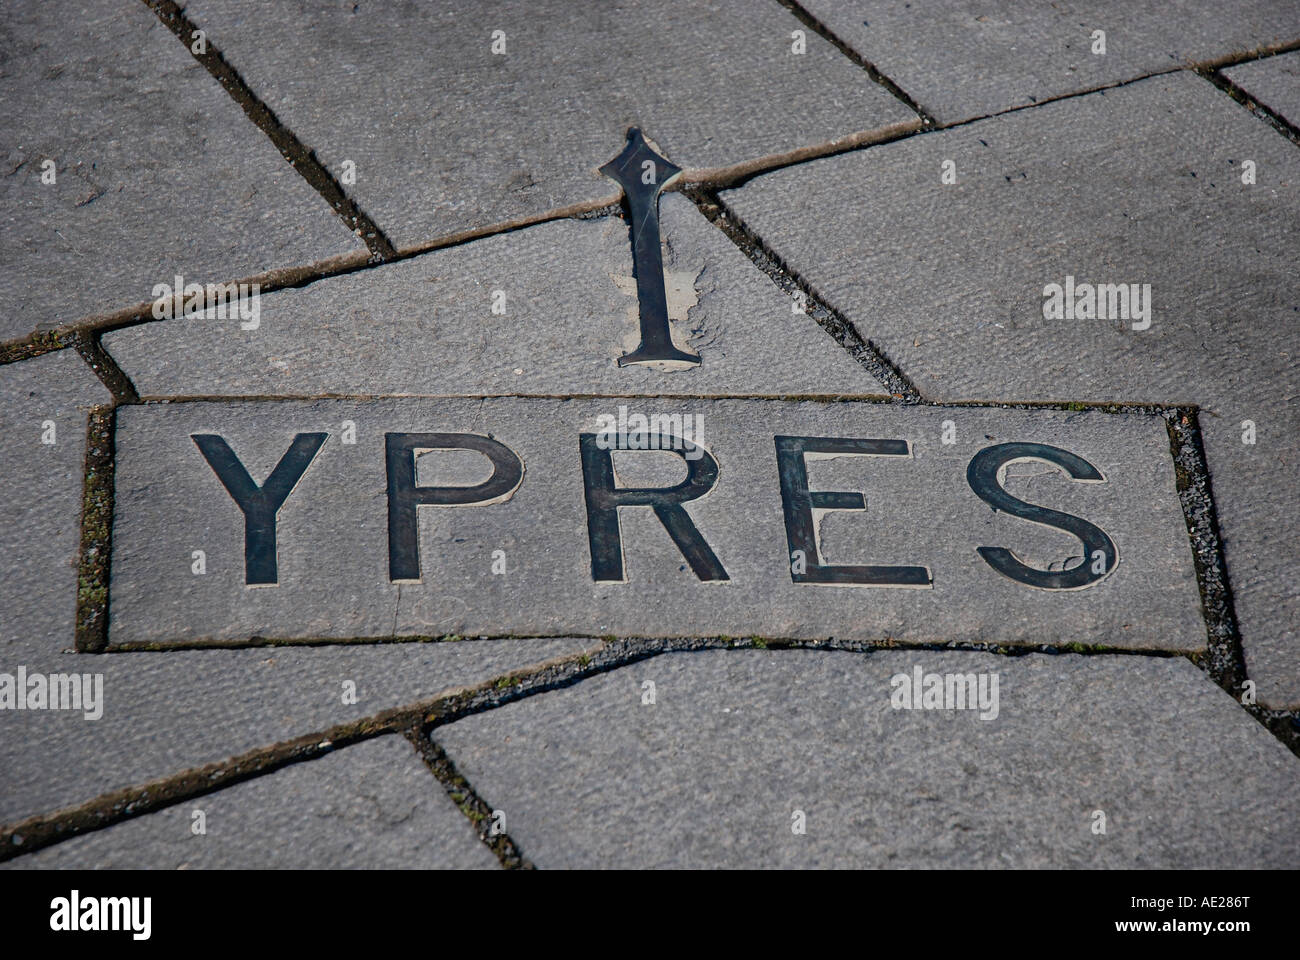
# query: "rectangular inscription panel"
(341, 519)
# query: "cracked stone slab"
(950, 282)
(164, 713)
(1273, 82)
(522, 565)
(157, 170)
(427, 325)
(161, 713)
(736, 743)
(481, 138)
(959, 59)
(373, 805)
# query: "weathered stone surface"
(949, 281)
(161, 713)
(158, 170)
(161, 173)
(374, 805)
(333, 565)
(425, 326)
(712, 773)
(962, 60)
(168, 712)
(47, 398)
(1274, 82)
(478, 138)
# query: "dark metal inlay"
(643, 174)
(798, 503)
(1100, 555)
(259, 504)
(405, 498)
(604, 499)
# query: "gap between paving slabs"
(1223, 660)
(695, 183)
(291, 148)
(827, 34)
(1274, 119)
(380, 248)
(468, 802)
(417, 722)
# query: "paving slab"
(44, 404)
(427, 326)
(164, 713)
(481, 137)
(531, 539)
(374, 805)
(959, 59)
(157, 170)
(159, 714)
(1273, 82)
(953, 283)
(737, 743)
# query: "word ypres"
(604, 499)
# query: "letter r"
(604, 500)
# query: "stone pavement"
(889, 461)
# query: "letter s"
(982, 475)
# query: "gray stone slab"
(949, 281)
(47, 398)
(1273, 82)
(333, 570)
(372, 806)
(426, 325)
(478, 138)
(960, 60)
(159, 172)
(161, 713)
(164, 713)
(712, 773)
